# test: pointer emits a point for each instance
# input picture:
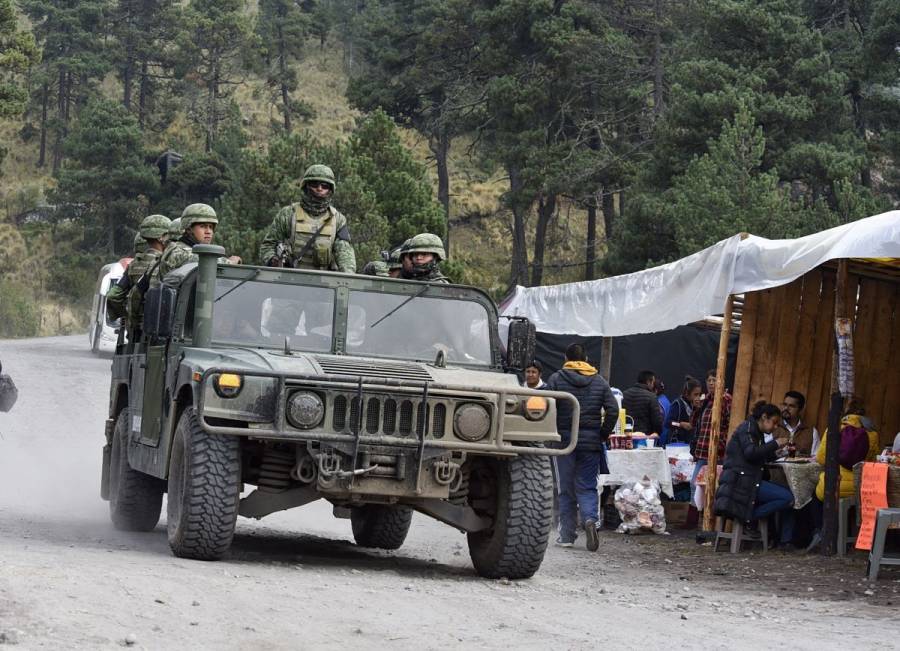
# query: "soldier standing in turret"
(310, 234)
(420, 256)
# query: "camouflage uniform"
(424, 243)
(154, 227)
(296, 224)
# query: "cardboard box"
(676, 513)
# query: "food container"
(620, 442)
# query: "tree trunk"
(591, 253)
(282, 79)
(609, 209)
(211, 109)
(658, 100)
(111, 233)
(61, 119)
(143, 91)
(546, 210)
(440, 147)
(519, 271)
(127, 77)
(45, 99)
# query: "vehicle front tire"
(517, 494)
(135, 499)
(204, 491)
(380, 526)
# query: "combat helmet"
(424, 243)
(198, 213)
(175, 229)
(393, 259)
(155, 227)
(318, 173)
(140, 244)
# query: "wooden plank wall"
(787, 343)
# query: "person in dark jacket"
(639, 401)
(678, 417)
(577, 472)
(743, 494)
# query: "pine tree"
(106, 181)
(18, 53)
(282, 28)
(212, 47)
(143, 54)
(414, 63)
(74, 60)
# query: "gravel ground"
(295, 580)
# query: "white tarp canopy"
(697, 286)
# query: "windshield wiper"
(248, 278)
(416, 295)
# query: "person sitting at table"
(678, 418)
(859, 442)
(743, 494)
(804, 437)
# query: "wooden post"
(605, 357)
(713, 460)
(833, 440)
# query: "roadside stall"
(784, 293)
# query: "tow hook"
(445, 472)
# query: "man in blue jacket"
(577, 472)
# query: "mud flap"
(104, 472)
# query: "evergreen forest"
(546, 141)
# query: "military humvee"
(381, 396)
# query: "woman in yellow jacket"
(854, 417)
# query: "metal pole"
(713, 460)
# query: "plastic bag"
(640, 508)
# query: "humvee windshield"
(263, 314)
(399, 326)
(381, 325)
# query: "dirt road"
(295, 580)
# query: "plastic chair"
(736, 535)
(883, 520)
(845, 538)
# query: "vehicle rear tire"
(380, 526)
(95, 344)
(135, 499)
(517, 494)
(204, 491)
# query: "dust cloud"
(50, 450)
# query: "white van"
(102, 331)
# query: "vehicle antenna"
(287, 346)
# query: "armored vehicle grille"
(383, 414)
(380, 369)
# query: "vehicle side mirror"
(159, 312)
(520, 343)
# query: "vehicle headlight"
(471, 421)
(536, 408)
(305, 409)
(227, 385)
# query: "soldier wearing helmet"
(198, 226)
(394, 264)
(311, 233)
(420, 256)
(140, 244)
(153, 234)
(376, 268)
